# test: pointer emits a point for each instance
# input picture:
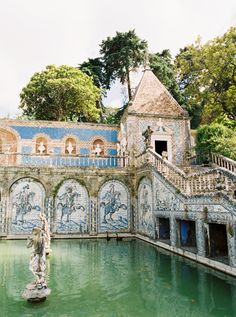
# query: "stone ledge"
(197, 258)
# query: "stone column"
(200, 237)
(93, 216)
(231, 244)
(173, 229)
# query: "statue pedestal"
(36, 293)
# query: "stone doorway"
(187, 235)
(164, 229)
(217, 246)
(161, 146)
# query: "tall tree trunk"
(128, 84)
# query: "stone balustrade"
(207, 181)
(57, 160)
(223, 162)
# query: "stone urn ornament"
(37, 291)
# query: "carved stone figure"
(46, 230)
(98, 150)
(41, 148)
(37, 290)
(147, 137)
(70, 148)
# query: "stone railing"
(207, 181)
(56, 160)
(224, 162)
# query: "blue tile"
(58, 133)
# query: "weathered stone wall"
(175, 131)
(159, 199)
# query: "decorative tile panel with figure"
(145, 209)
(71, 208)
(27, 201)
(114, 209)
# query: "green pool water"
(114, 278)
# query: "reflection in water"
(106, 278)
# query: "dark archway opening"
(218, 247)
(187, 235)
(160, 146)
(164, 229)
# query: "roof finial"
(147, 61)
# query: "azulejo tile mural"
(145, 208)
(27, 201)
(114, 207)
(71, 212)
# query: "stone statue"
(37, 291)
(147, 137)
(98, 150)
(46, 229)
(41, 148)
(70, 148)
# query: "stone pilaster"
(200, 237)
(231, 244)
(93, 216)
(173, 231)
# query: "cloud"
(37, 33)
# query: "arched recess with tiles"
(27, 200)
(145, 216)
(71, 208)
(113, 207)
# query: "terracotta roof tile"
(152, 97)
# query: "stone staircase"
(219, 178)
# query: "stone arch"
(9, 146)
(113, 207)
(145, 217)
(71, 208)
(27, 200)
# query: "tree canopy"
(207, 77)
(60, 93)
(217, 138)
(122, 54)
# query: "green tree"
(207, 77)
(216, 138)
(94, 67)
(162, 66)
(122, 54)
(60, 93)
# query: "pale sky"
(36, 33)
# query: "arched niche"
(71, 208)
(27, 197)
(8, 147)
(114, 207)
(41, 145)
(98, 146)
(70, 146)
(146, 221)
